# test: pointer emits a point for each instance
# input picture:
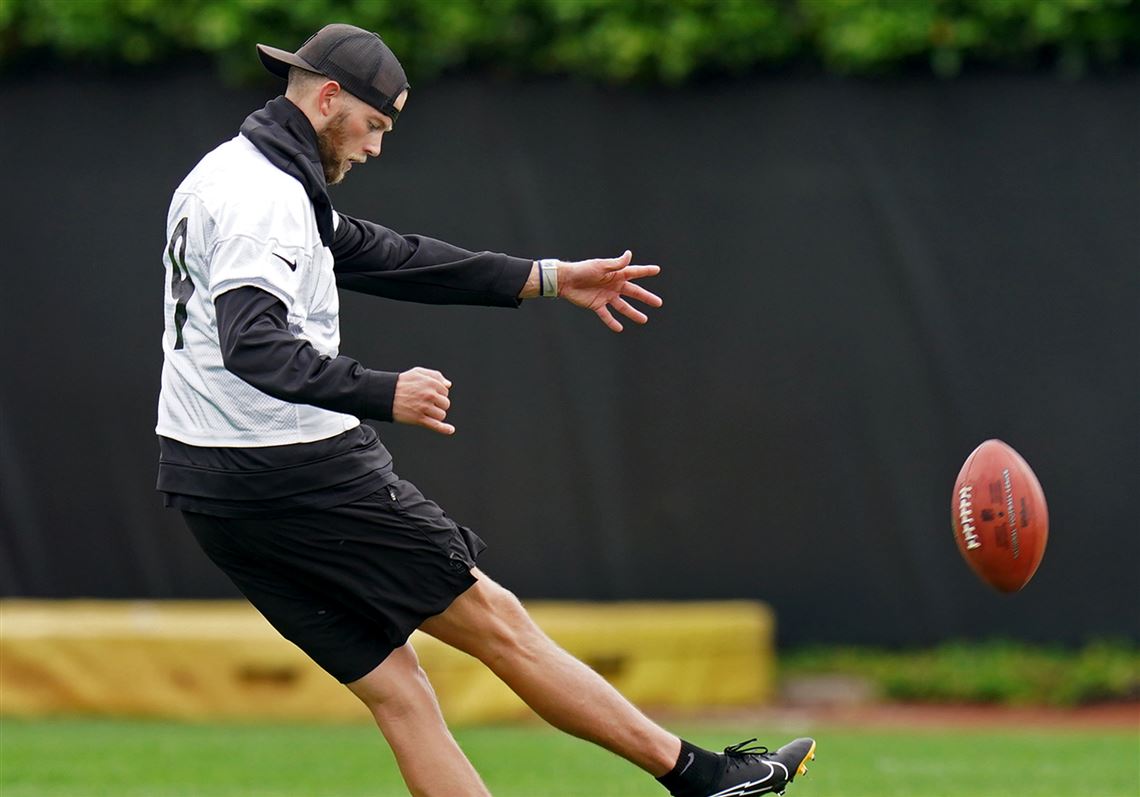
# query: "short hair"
(303, 80)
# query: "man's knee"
(506, 629)
(489, 623)
(396, 683)
(517, 635)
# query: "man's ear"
(326, 95)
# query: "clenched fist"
(421, 400)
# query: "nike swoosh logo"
(692, 757)
(291, 264)
(761, 786)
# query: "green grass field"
(72, 758)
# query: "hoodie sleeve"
(372, 259)
(258, 348)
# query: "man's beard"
(329, 143)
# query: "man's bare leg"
(400, 698)
(489, 623)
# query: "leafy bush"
(993, 672)
(616, 40)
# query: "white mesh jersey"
(237, 220)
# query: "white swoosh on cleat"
(752, 786)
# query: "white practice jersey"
(237, 220)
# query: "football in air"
(998, 513)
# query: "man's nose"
(373, 148)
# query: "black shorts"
(349, 584)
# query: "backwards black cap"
(357, 59)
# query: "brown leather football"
(999, 516)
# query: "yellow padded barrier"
(201, 660)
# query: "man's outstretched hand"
(606, 283)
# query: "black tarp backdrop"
(862, 282)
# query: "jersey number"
(181, 288)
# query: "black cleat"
(753, 770)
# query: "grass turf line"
(92, 758)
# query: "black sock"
(696, 768)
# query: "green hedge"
(615, 40)
(999, 672)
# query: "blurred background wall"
(865, 275)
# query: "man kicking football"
(263, 451)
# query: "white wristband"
(548, 279)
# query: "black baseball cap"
(357, 59)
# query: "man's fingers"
(640, 294)
(628, 310)
(618, 263)
(608, 319)
(637, 272)
(435, 376)
(438, 426)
